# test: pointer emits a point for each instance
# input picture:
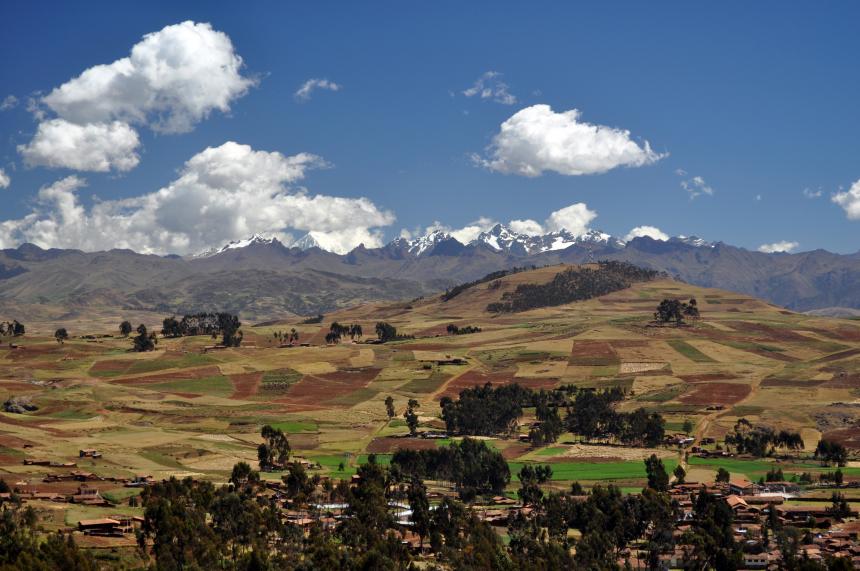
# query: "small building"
(89, 453)
(104, 526)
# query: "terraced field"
(182, 411)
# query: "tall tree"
(125, 328)
(658, 479)
(411, 416)
(389, 407)
(61, 335)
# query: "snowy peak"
(692, 241)
(425, 244)
(501, 238)
(255, 240)
(306, 242)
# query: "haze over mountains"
(262, 278)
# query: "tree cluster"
(274, 452)
(144, 341)
(676, 311)
(592, 416)
(338, 331)
(22, 549)
(472, 465)
(830, 452)
(574, 284)
(12, 328)
(386, 332)
(291, 336)
(761, 440)
(205, 323)
(484, 410)
(454, 330)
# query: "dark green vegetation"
(471, 465)
(575, 284)
(205, 323)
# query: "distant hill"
(262, 278)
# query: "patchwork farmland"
(188, 410)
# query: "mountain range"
(261, 278)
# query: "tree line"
(574, 284)
(454, 330)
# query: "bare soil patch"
(245, 385)
(317, 389)
(593, 353)
(716, 394)
(385, 444)
(475, 378)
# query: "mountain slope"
(262, 278)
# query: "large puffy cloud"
(5, 181)
(172, 79)
(96, 147)
(574, 218)
(849, 201)
(528, 227)
(649, 231)
(781, 246)
(537, 139)
(222, 194)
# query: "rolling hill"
(261, 278)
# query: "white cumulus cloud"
(222, 194)
(781, 246)
(490, 86)
(306, 90)
(172, 79)
(5, 181)
(99, 147)
(528, 227)
(574, 218)
(650, 231)
(537, 139)
(849, 201)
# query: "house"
(88, 496)
(89, 453)
(742, 487)
(104, 526)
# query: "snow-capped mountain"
(425, 244)
(502, 238)
(256, 239)
(692, 241)
(307, 242)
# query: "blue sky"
(759, 101)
